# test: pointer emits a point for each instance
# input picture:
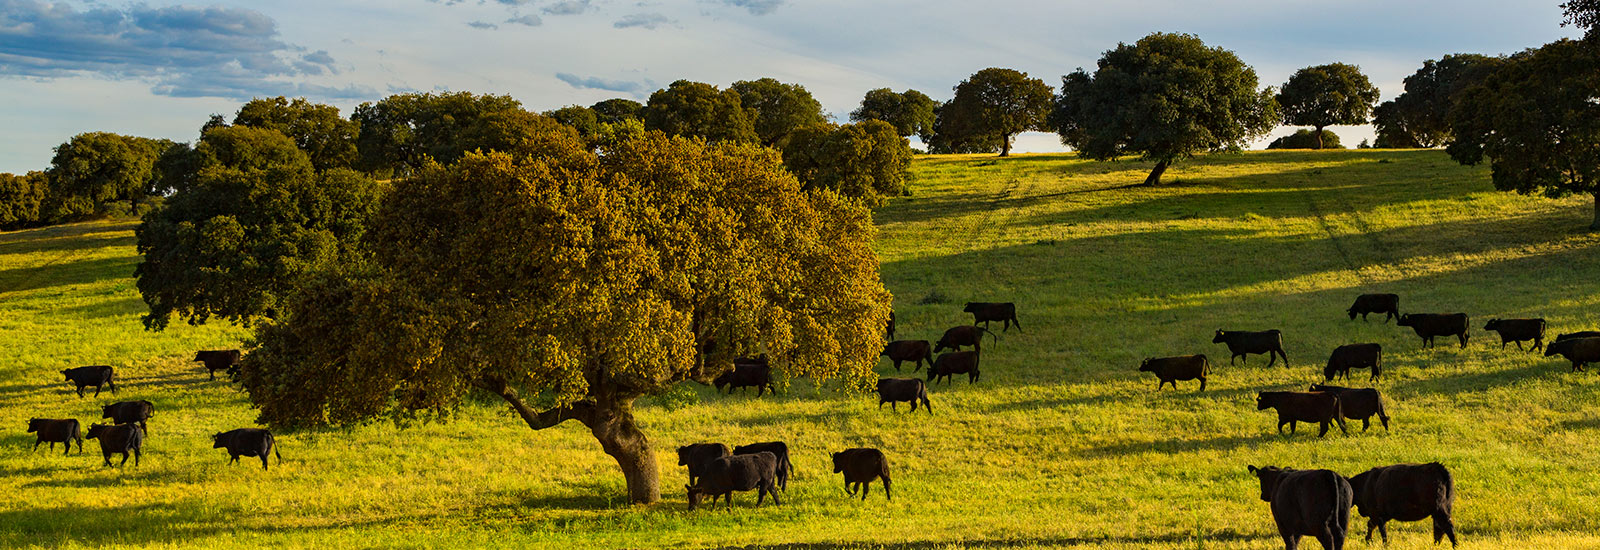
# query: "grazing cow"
(247, 442)
(1313, 503)
(697, 455)
(1518, 331)
(1407, 492)
(1242, 343)
(861, 466)
(127, 412)
(1358, 404)
(732, 473)
(53, 430)
(895, 390)
(746, 375)
(948, 364)
(219, 359)
(1580, 351)
(96, 376)
(1172, 369)
(956, 337)
(778, 449)
(1429, 325)
(1354, 356)
(1387, 304)
(1579, 334)
(1292, 407)
(118, 438)
(983, 312)
(891, 326)
(915, 351)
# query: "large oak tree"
(1420, 116)
(688, 108)
(95, 169)
(1327, 95)
(997, 104)
(910, 112)
(776, 109)
(865, 161)
(328, 139)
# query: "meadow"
(1062, 444)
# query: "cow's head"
(1352, 312)
(971, 307)
(683, 455)
(1405, 320)
(34, 424)
(1145, 366)
(95, 430)
(838, 462)
(1218, 339)
(1558, 347)
(1264, 401)
(216, 440)
(1269, 476)
(1493, 324)
(695, 494)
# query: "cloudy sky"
(159, 68)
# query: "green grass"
(1062, 444)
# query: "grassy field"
(1063, 443)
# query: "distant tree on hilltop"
(995, 104)
(1327, 95)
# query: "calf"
(96, 376)
(62, 431)
(1354, 356)
(778, 449)
(119, 438)
(949, 364)
(1580, 351)
(861, 466)
(1518, 331)
(696, 456)
(1387, 304)
(746, 375)
(732, 473)
(915, 351)
(247, 442)
(219, 359)
(1406, 492)
(895, 390)
(956, 337)
(1172, 369)
(983, 312)
(1242, 343)
(1429, 325)
(1579, 334)
(1312, 503)
(1358, 404)
(127, 412)
(1293, 407)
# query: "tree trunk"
(1595, 225)
(621, 439)
(1319, 138)
(1154, 178)
(1005, 145)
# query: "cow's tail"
(275, 449)
(1377, 370)
(884, 473)
(993, 338)
(1340, 520)
(922, 393)
(74, 432)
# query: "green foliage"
(910, 112)
(21, 198)
(776, 109)
(1420, 117)
(1534, 121)
(1393, 124)
(688, 108)
(1327, 95)
(994, 104)
(1164, 98)
(613, 111)
(328, 139)
(865, 161)
(95, 169)
(953, 135)
(583, 119)
(402, 132)
(1304, 139)
(1584, 14)
(246, 228)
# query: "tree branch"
(581, 411)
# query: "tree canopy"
(401, 132)
(95, 169)
(776, 109)
(328, 139)
(865, 161)
(1327, 95)
(1584, 14)
(1165, 98)
(1534, 121)
(21, 198)
(996, 104)
(1304, 139)
(570, 283)
(613, 111)
(1420, 117)
(687, 108)
(910, 112)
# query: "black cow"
(1358, 404)
(697, 455)
(118, 438)
(915, 351)
(1354, 356)
(1242, 343)
(860, 466)
(895, 390)
(778, 449)
(949, 364)
(1172, 369)
(219, 359)
(1429, 325)
(127, 412)
(1518, 331)
(54, 430)
(891, 326)
(1320, 407)
(1581, 351)
(96, 376)
(1387, 304)
(983, 312)
(1313, 503)
(247, 442)
(957, 337)
(1407, 492)
(732, 473)
(756, 375)
(1579, 334)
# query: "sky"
(161, 68)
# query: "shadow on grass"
(165, 523)
(1226, 535)
(1179, 444)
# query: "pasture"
(1061, 444)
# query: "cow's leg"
(1366, 423)
(1272, 358)
(1290, 541)
(1383, 529)
(52, 445)
(1371, 524)
(866, 487)
(897, 365)
(1463, 337)
(125, 460)
(137, 453)
(263, 461)
(849, 488)
(1324, 431)
(893, 406)
(107, 455)
(80, 392)
(1202, 384)
(761, 495)
(1538, 344)
(1443, 526)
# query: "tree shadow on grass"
(1221, 536)
(1182, 444)
(165, 523)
